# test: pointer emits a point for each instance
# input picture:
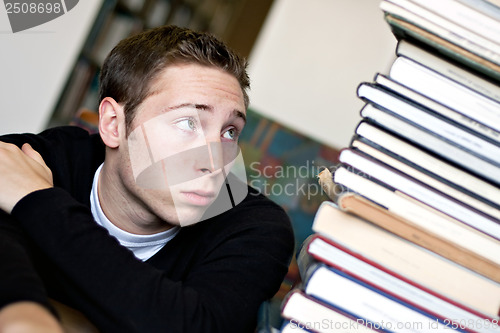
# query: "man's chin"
(190, 216)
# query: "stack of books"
(411, 239)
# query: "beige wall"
(305, 66)
(34, 65)
(310, 57)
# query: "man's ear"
(111, 122)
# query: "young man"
(161, 179)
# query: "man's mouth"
(199, 197)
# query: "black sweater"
(211, 277)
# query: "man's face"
(183, 142)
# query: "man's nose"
(216, 155)
(219, 154)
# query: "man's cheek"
(153, 177)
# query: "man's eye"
(230, 134)
(186, 124)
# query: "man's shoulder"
(71, 135)
(62, 135)
(73, 132)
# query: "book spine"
(388, 316)
(398, 286)
(457, 17)
(424, 139)
(426, 162)
(405, 30)
(463, 39)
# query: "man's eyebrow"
(191, 105)
(236, 113)
(241, 115)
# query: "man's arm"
(30, 310)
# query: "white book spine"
(428, 180)
(470, 45)
(424, 218)
(432, 143)
(393, 284)
(474, 144)
(430, 163)
(428, 197)
(447, 25)
(446, 91)
(464, 16)
(446, 68)
(438, 108)
(369, 305)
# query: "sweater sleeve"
(19, 280)
(243, 267)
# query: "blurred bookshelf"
(237, 22)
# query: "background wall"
(305, 67)
(310, 57)
(35, 63)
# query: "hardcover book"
(408, 260)
(318, 252)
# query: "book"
(396, 181)
(426, 218)
(436, 25)
(303, 311)
(466, 16)
(446, 91)
(428, 163)
(426, 178)
(450, 151)
(318, 249)
(448, 67)
(453, 17)
(431, 122)
(446, 112)
(406, 30)
(418, 232)
(371, 306)
(412, 234)
(488, 7)
(408, 260)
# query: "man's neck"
(124, 210)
